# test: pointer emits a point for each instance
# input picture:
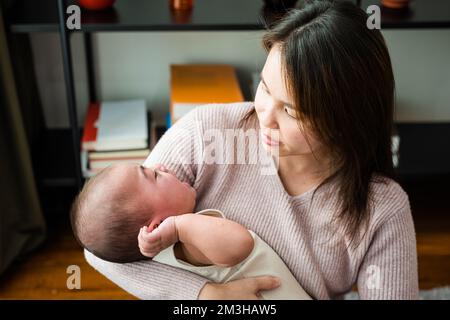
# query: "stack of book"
(196, 84)
(115, 132)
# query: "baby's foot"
(162, 237)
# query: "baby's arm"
(221, 241)
(203, 240)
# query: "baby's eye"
(156, 174)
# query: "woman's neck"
(314, 167)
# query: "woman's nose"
(268, 118)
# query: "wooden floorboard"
(42, 274)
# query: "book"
(100, 165)
(122, 125)
(94, 161)
(117, 155)
(197, 84)
(168, 119)
(85, 170)
(89, 138)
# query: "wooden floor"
(42, 275)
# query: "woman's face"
(276, 112)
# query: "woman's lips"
(270, 141)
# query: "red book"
(89, 139)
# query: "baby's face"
(157, 189)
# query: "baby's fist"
(162, 237)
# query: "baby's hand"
(162, 237)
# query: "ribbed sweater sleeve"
(179, 149)
(389, 269)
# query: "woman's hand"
(242, 289)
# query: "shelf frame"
(39, 16)
(70, 90)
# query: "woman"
(332, 211)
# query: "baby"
(128, 212)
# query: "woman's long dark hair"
(339, 75)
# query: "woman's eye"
(263, 87)
(290, 112)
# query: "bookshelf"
(421, 14)
(208, 15)
(29, 16)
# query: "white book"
(99, 165)
(182, 109)
(84, 166)
(118, 154)
(122, 125)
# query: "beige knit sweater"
(299, 228)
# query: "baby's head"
(112, 207)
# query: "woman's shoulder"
(387, 198)
(211, 116)
(223, 116)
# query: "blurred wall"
(136, 65)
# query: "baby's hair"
(107, 228)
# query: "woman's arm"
(389, 269)
(150, 280)
(243, 289)
(177, 149)
(180, 149)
